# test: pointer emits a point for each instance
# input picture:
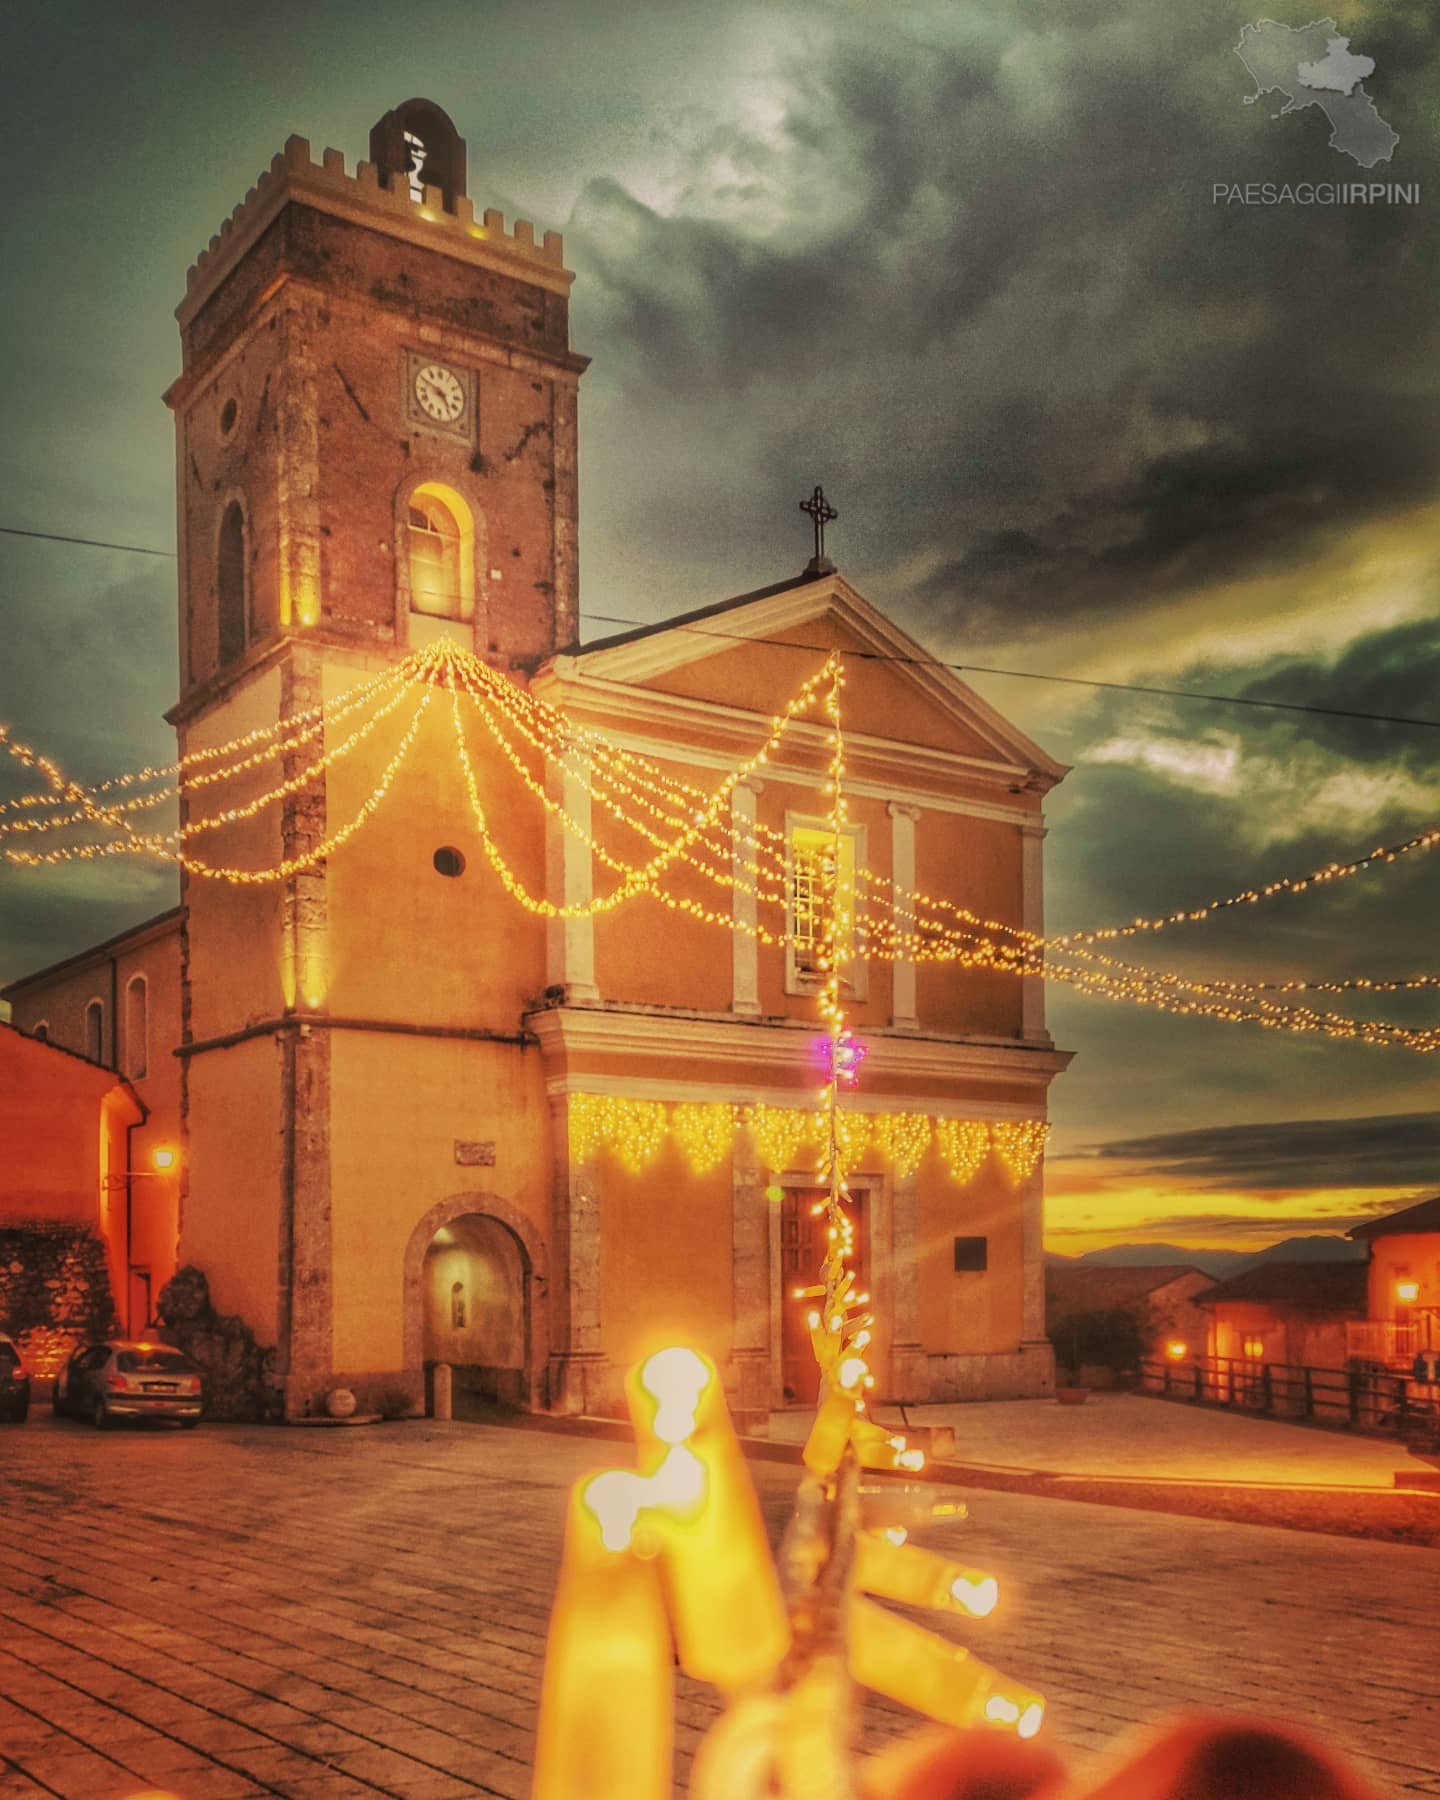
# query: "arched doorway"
(476, 1299)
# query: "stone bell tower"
(375, 448)
(351, 341)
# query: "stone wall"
(54, 1291)
(238, 1372)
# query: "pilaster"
(750, 1238)
(578, 1370)
(298, 443)
(909, 1375)
(745, 990)
(903, 1013)
(570, 881)
(1032, 917)
(566, 501)
(306, 1277)
(1032, 1214)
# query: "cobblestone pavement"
(1140, 1436)
(241, 1611)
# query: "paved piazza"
(240, 1611)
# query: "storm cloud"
(1389, 1150)
(963, 266)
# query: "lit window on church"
(442, 554)
(812, 879)
(230, 583)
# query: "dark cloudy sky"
(960, 263)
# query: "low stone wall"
(1023, 1374)
(54, 1291)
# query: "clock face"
(440, 392)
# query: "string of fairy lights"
(570, 769)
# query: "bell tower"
(376, 417)
(375, 448)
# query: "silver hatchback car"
(107, 1383)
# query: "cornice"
(911, 763)
(662, 650)
(763, 1050)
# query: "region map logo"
(1312, 65)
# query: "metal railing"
(1382, 1401)
(1393, 1340)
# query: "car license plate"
(162, 1387)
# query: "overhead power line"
(1119, 687)
(924, 662)
(56, 537)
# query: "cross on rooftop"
(821, 513)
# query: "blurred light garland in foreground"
(680, 826)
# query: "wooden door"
(802, 1250)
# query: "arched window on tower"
(417, 155)
(95, 1031)
(230, 583)
(137, 1027)
(441, 538)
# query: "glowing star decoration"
(842, 1056)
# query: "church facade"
(419, 1123)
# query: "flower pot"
(1072, 1396)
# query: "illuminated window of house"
(814, 872)
(1254, 1348)
(137, 1026)
(441, 538)
(230, 583)
(95, 1031)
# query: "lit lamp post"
(164, 1160)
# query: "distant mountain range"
(1222, 1264)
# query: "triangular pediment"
(753, 653)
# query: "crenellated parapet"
(367, 198)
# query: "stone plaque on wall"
(474, 1155)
